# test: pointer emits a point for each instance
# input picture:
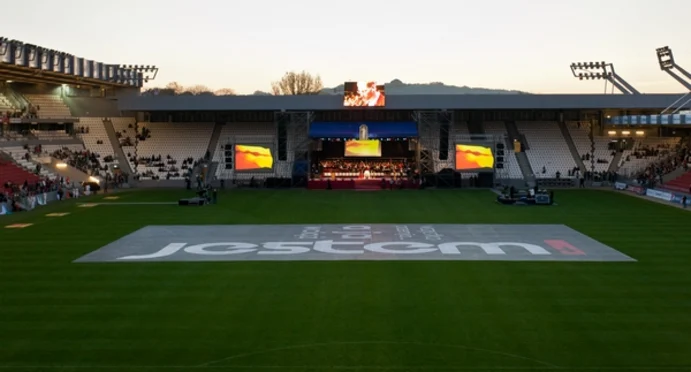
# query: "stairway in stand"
(367, 184)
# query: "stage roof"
(399, 102)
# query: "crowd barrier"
(29, 203)
(665, 195)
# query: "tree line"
(291, 84)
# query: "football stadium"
(351, 231)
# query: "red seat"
(681, 183)
(10, 172)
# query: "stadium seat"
(10, 172)
(5, 104)
(18, 154)
(547, 148)
(638, 158)
(180, 141)
(97, 132)
(52, 106)
(580, 134)
(681, 183)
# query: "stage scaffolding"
(433, 127)
(293, 138)
(433, 153)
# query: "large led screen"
(363, 148)
(369, 94)
(253, 158)
(474, 157)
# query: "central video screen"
(253, 158)
(363, 149)
(474, 158)
(364, 94)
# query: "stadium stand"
(93, 133)
(681, 183)
(645, 152)
(169, 150)
(50, 106)
(78, 157)
(548, 150)
(13, 173)
(498, 128)
(581, 138)
(11, 136)
(23, 159)
(246, 133)
(5, 104)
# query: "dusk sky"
(524, 45)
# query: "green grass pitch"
(56, 315)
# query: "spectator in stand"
(656, 171)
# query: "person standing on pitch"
(683, 201)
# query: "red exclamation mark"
(565, 247)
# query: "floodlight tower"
(602, 71)
(147, 72)
(3, 45)
(666, 60)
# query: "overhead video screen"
(253, 158)
(364, 94)
(474, 157)
(363, 149)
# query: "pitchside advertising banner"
(355, 242)
(631, 188)
(653, 193)
(657, 194)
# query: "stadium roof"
(28, 63)
(22, 74)
(399, 102)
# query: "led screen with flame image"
(369, 94)
(473, 157)
(363, 148)
(253, 157)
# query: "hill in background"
(397, 87)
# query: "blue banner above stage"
(369, 129)
(651, 120)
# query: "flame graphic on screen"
(473, 157)
(253, 157)
(363, 148)
(368, 94)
